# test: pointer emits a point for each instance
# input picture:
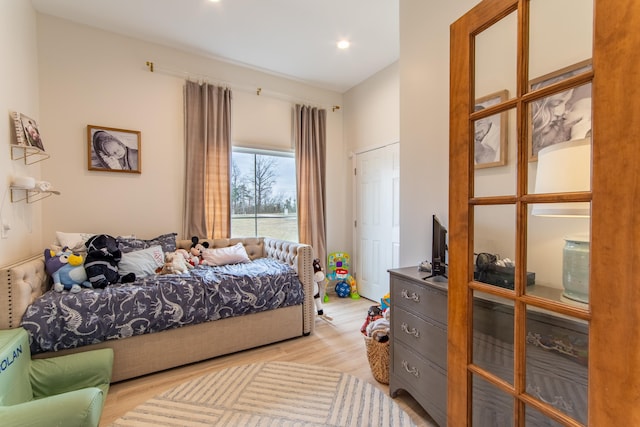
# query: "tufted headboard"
(20, 284)
(253, 245)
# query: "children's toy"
(338, 268)
(353, 288)
(189, 258)
(343, 290)
(197, 248)
(319, 287)
(101, 263)
(385, 301)
(66, 270)
(175, 263)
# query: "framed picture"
(490, 133)
(113, 150)
(27, 132)
(561, 116)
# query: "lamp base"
(574, 302)
(575, 269)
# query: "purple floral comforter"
(57, 321)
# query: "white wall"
(372, 111)
(424, 121)
(89, 76)
(371, 120)
(18, 92)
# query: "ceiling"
(290, 38)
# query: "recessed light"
(343, 44)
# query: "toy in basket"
(378, 357)
(338, 269)
(376, 329)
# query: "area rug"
(270, 394)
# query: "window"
(263, 194)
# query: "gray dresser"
(419, 339)
(556, 349)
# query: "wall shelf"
(30, 154)
(31, 196)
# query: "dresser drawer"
(419, 298)
(422, 336)
(422, 376)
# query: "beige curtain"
(310, 146)
(208, 161)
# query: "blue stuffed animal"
(66, 269)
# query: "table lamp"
(566, 167)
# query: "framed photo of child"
(113, 150)
(27, 132)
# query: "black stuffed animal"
(101, 262)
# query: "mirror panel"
(495, 152)
(493, 335)
(535, 418)
(491, 406)
(560, 34)
(558, 254)
(554, 121)
(557, 361)
(496, 58)
(494, 244)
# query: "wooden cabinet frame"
(614, 310)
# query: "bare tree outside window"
(263, 195)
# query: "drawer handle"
(412, 370)
(412, 331)
(557, 401)
(412, 297)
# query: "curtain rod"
(152, 67)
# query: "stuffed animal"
(175, 263)
(190, 259)
(66, 270)
(318, 281)
(101, 264)
(197, 248)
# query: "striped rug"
(270, 394)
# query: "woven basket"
(378, 355)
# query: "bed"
(163, 321)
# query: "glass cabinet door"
(524, 143)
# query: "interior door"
(377, 178)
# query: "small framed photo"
(561, 116)
(490, 133)
(27, 132)
(113, 150)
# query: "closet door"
(541, 180)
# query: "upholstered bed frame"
(24, 281)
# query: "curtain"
(208, 161)
(310, 147)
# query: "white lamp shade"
(564, 167)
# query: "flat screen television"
(438, 250)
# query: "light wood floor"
(337, 344)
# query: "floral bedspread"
(57, 321)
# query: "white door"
(377, 232)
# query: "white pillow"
(143, 262)
(74, 241)
(229, 255)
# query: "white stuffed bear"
(174, 263)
